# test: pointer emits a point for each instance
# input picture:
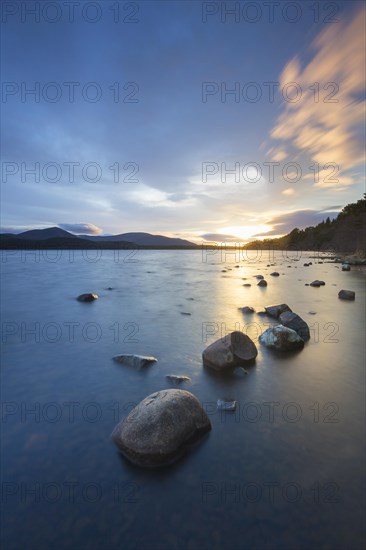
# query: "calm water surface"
(285, 471)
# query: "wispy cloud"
(329, 129)
(81, 228)
(284, 223)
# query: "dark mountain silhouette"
(54, 237)
(144, 239)
(42, 234)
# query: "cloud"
(218, 237)
(329, 127)
(284, 223)
(14, 230)
(81, 228)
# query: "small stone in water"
(226, 405)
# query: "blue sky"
(171, 130)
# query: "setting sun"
(245, 232)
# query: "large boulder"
(275, 311)
(87, 297)
(159, 429)
(292, 320)
(233, 350)
(281, 338)
(346, 294)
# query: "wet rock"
(185, 313)
(231, 351)
(262, 282)
(275, 274)
(312, 312)
(160, 428)
(177, 378)
(247, 309)
(346, 267)
(295, 322)
(259, 277)
(281, 338)
(137, 361)
(87, 297)
(247, 284)
(261, 313)
(317, 283)
(306, 265)
(275, 311)
(346, 295)
(226, 405)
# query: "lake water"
(285, 471)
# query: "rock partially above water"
(247, 309)
(177, 378)
(275, 274)
(137, 361)
(262, 282)
(292, 320)
(346, 267)
(281, 338)
(275, 311)
(159, 429)
(231, 351)
(346, 295)
(226, 405)
(317, 283)
(87, 297)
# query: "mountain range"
(55, 237)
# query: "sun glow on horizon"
(246, 232)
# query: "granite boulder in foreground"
(159, 429)
(281, 338)
(346, 294)
(234, 350)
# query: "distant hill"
(43, 234)
(54, 237)
(346, 233)
(144, 239)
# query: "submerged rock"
(177, 378)
(137, 361)
(281, 338)
(159, 429)
(87, 297)
(262, 282)
(292, 320)
(231, 351)
(226, 405)
(346, 294)
(275, 311)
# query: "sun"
(245, 232)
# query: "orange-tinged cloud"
(330, 129)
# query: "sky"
(209, 121)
